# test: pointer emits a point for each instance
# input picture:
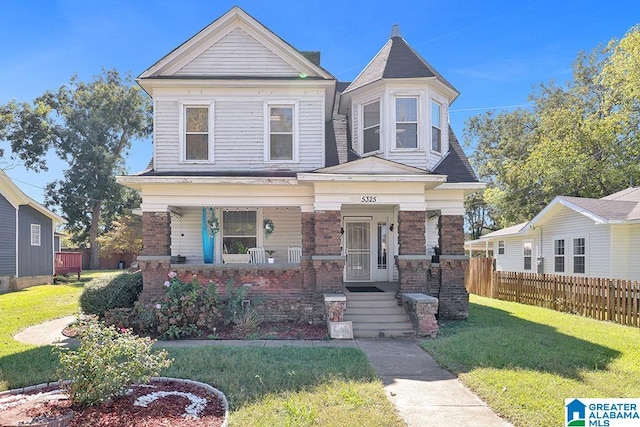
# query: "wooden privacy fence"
(613, 300)
(479, 277)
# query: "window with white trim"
(579, 255)
(371, 127)
(558, 256)
(35, 234)
(436, 127)
(281, 143)
(197, 131)
(527, 251)
(239, 231)
(407, 122)
(500, 247)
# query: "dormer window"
(407, 122)
(436, 127)
(371, 127)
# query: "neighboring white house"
(357, 177)
(573, 236)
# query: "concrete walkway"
(423, 393)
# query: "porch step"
(377, 314)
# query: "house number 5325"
(368, 199)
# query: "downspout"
(17, 241)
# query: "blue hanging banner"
(208, 237)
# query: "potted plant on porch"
(270, 259)
(239, 255)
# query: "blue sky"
(493, 52)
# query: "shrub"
(187, 309)
(141, 319)
(109, 292)
(107, 362)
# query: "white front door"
(367, 249)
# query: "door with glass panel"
(358, 251)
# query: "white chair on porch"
(295, 254)
(256, 256)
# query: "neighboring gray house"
(26, 238)
(573, 236)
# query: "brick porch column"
(155, 260)
(308, 249)
(327, 259)
(412, 262)
(454, 298)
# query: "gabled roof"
(372, 165)
(455, 164)
(397, 60)
(235, 19)
(607, 210)
(17, 198)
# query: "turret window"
(436, 127)
(371, 128)
(407, 122)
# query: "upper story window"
(281, 142)
(579, 255)
(527, 251)
(558, 252)
(407, 122)
(197, 144)
(371, 127)
(500, 247)
(436, 127)
(35, 235)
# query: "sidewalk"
(423, 393)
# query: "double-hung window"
(35, 234)
(558, 253)
(239, 231)
(407, 122)
(500, 247)
(281, 142)
(527, 251)
(436, 127)
(371, 127)
(579, 255)
(197, 133)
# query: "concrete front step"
(377, 315)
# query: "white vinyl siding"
(239, 135)
(238, 54)
(186, 233)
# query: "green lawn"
(524, 361)
(288, 386)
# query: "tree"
(580, 139)
(91, 126)
(125, 236)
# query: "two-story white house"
(340, 183)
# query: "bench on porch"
(68, 262)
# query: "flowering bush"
(107, 362)
(187, 308)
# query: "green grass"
(524, 361)
(290, 386)
(287, 386)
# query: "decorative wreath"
(268, 227)
(214, 224)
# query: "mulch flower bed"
(162, 402)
